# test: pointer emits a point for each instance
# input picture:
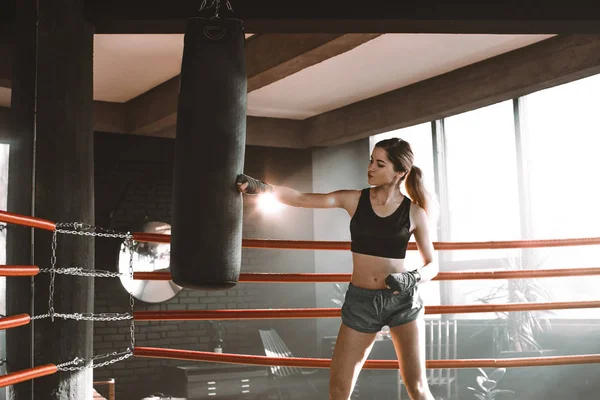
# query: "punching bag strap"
(214, 31)
(206, 4)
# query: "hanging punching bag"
(206, 226)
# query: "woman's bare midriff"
(369, 272)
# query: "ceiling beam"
(340, 16)
(276, 132)
(5, 122)
(106, 117)
(109, 117)
(548, 63)
(266, 132)
(269, 58)
(6, 57)
(155, 109)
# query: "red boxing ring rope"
(266, 277)
(14, 321)
(281, 313)
(345, 245)
(151, 352)
(27, 374)
(236, 314)
(19, 270)
(323, 245)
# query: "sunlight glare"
(268, 204)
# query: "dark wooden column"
(63, 185)
(19, 241)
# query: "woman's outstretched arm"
(295, 198)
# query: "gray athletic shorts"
(369, 310)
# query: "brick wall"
(133, 181)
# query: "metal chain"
(120, 357)
(41, 316)
(52, 275)
(217, 4)
(77, 228)
(77, 271)
(217, 9)
(63, 366)
(124, 356)
(81, 229)
(95, 234)
(130, 245)
(203, 5)
(96, 317)
(87, 316)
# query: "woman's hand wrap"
(255, 186)
(403, 281)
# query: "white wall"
(338, 167)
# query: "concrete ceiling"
(384, 64)
(324, 89)
(126, 66)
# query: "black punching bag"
(206, 226)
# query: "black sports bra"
(380, 236)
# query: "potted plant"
(217, 331)
(487, 385)
(515, 333)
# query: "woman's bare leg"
(350, 353)
(409, 342)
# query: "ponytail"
(401, 155)
(416, 189)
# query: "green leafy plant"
(519, 329)
(488, 385)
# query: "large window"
(483, 199)
(497, 183)
(483, 196)
(562, 158)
